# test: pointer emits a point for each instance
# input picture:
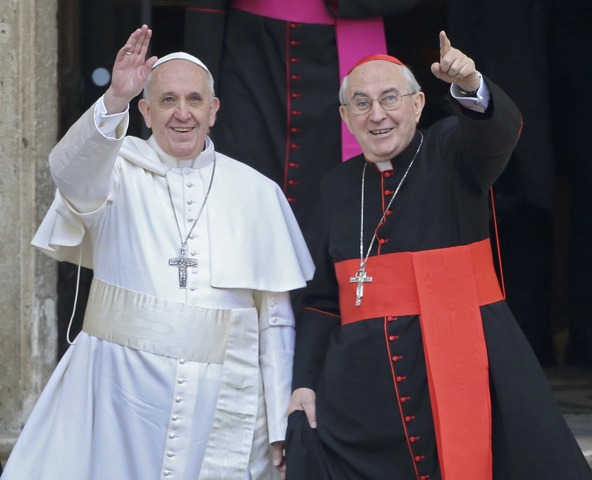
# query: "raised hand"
(130, 71)
(455, 67)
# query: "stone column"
(28, 130)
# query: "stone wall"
(28, 130)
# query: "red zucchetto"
(377, 56)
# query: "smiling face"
(382, 134)
(179, 108)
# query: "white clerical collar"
(384, 166)
(205, 158)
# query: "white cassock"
(166, 382)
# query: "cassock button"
(419, 459)
(295, 77)
(424, 477)
(388, 174)
(292, 182)
(392, 338)
(296, 95)
(291, 199)
(293, 165)
(409, 419)
(294, 25)
(413, 439)
(382, 241)
(400, 379)
(295, 146)
(388, 212)
(388, 192)
(296, 113)
(294, 60)
(294, 42)
(295, 130)
(396, 358)
(405, 399)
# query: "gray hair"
(412, 84)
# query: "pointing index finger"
(444, 44)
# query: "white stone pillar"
(28, 130)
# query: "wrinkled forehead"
(376, 77)
(176, 74)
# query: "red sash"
(445, 287)
(356, 38)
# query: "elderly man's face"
(382, 134)
(180, 109)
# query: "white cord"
(75, 299)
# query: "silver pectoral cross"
(360, 278)
(182, 262)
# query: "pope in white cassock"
(183, 367)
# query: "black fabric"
(304, 452)
(570, 54)
(369, 8)
(508, 41)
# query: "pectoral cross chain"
(361, 278)
(182, 262)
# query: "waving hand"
(130, 71)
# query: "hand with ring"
(130, 71)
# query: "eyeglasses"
(361, 104)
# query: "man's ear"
(214, 107)
(345, 116)
(418, 104)
(145, 111)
